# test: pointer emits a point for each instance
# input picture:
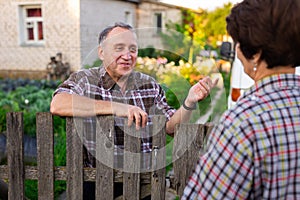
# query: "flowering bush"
(160, 69)
(176, 79)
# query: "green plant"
(31, 97)
(97, 63)
(151, 52)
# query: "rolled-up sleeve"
(161, 103)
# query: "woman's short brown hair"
(269, 26)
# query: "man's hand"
(64, 104)
(134, 114)
(200, 91)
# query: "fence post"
(132, 162)
(45, 149)
(15, 155)
(158, 176)
(105, 152)
(188, 143)
(74, 159)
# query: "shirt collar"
(108, 83)
(273, 83)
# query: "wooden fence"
(188, 144)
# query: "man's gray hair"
(108, 29)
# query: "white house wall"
(147, 31)
(95, 16)
(71, 27)
(61, 33)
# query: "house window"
(128, 18)
(158, 22)
(31, 27)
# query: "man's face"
(119, 52)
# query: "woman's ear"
(256, 57)
(239, 53)
(100, 53)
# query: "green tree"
(196, 31)
(186, 38)
(214, 24)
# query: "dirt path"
(204, 118)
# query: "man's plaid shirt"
(141, 90)
(254, 152)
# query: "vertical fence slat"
(45, 149)
(208, 128)
(105, 158)
(179, 159)
(74, 159)
(132, 163)
(195, 149)
(187, 145)
(158, 180)
(15, 155)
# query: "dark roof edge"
(199, 11)
(131, 1)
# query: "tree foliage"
(186, 38)
(196, 31)
(214, 25)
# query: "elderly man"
(115, 88)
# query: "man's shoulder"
(90, 75)
(95, 71)
(142, 76)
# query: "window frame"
(24, 20)
(128, 18)
(157, 15)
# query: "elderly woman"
(254, 152)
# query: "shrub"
(30, 97)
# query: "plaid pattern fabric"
(254, 152)
(141, 90)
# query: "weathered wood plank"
(105, 158)
(158, 180)
(15, 155)
(194, 151)
(208, 128)
(74, 159)
(132, 162)
(45, 150)
(31, 173)
(186, 150)
(60, 173)
(188, 146)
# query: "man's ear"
(100, 53)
